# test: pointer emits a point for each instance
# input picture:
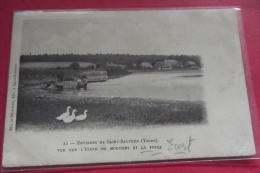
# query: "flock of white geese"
(67, 118)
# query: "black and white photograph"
(69, 77)
(90, 87)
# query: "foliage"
(111, 71)
(60, 76)
(130, 64)
(138, 62)
(66, 74)
(74, 65)
(106, 113)
(124, 59)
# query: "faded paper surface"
(218, 87)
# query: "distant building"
(191, 64)
(174, 64)
(158, 65)
(170, 64)
(146, 65)
(170, 61)
(166, 67)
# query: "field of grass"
(36, 76)
(38, 113)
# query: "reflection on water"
(170, 86)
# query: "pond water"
(164, 85)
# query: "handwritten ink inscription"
(180, 147)
(145, 147)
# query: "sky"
(126, 33)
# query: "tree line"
(123, 59)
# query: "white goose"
(82, 117)
(70, 118)
(64, 115)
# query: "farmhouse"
(170, 61)
(166, 67)
(170, 64)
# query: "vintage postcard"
(119, 86)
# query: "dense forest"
(123, 59)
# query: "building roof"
(191, 63)
(158, 64)
(171, 61)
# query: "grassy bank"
(27, 75)
(38, 113)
